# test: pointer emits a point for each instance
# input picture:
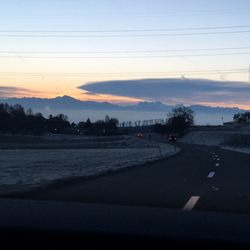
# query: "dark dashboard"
(60, 225)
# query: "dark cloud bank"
(187, 91)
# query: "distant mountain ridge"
(67, 102)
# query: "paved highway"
(199, 178)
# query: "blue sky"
(101, 16)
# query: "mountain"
(64, 102)
(67, 102)
(215, 110)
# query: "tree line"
(242, 117)
(108, 126)
(14, 119)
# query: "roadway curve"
(199, 178)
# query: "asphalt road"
(199, 178)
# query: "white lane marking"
(218, 159)
(191, 203)
(211, 175)
(217, 164)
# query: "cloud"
(89, 93)
(10, 91)
(172, 91)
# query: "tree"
(58, 124)
(36, 124)
(106, 118)
(81, 126)
(99, 127)
(4, 118)
(112, 125)
(88, 124)
(17, 119)
(242, 117)
(180, 119)
(108, 126)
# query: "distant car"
(172, 139)
(140, 135)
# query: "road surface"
(199, 178)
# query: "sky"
(51, 48)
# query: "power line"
(32, 74)
(130, 35)
(128, 57)
(126, 30)
(178, 13)
(122, 51)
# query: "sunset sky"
(51, 48)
